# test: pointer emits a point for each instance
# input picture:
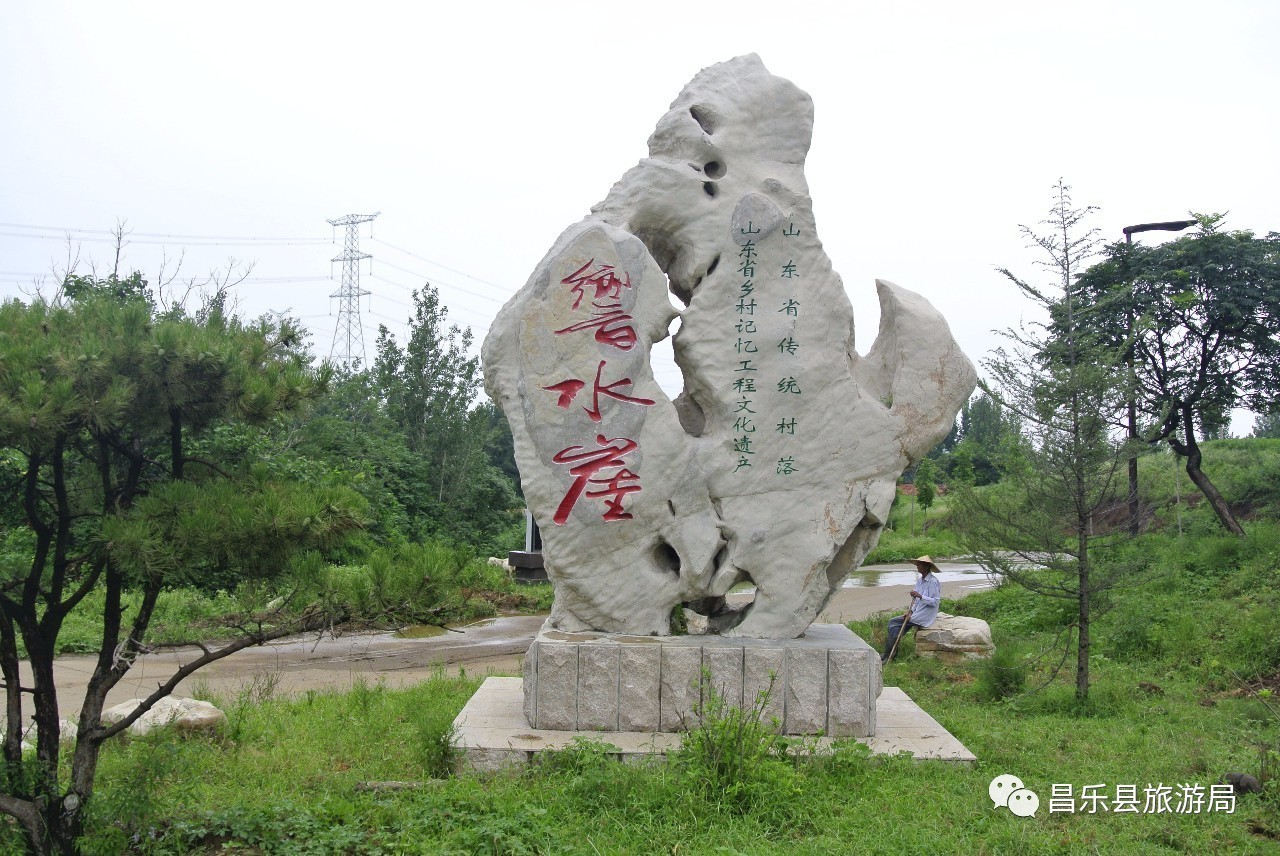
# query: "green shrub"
(1133, 630)
(1252, 646)
(731, 757)
(435, 735)
(1001, 676)
(1018, 611)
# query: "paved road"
(493, 645)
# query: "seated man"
(924, 604)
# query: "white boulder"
(184, 714)
(955, 637)
(67, 731)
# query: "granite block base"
(826, 682)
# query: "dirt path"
(493, 645)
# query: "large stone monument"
(776, 466)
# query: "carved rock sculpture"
(778, 463)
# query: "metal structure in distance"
(348, 334)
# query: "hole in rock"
(672, 506)
(724, 613)
(709, 189)
(667, 557)
(711, 268)
(703, 117)
(721, 555)
(713, 169)
(708, 606)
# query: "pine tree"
(1064, 383)
(102, 401)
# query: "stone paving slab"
(492, 732)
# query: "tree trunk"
(1190, 450)
(59, 820)
(1082, 649)
(9, 662)
(63, 823)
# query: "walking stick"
(902, 631)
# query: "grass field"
(1185, 667)
(285, 775)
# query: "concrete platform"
(492, 732)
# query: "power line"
(14, 276)
(460, 307)
(392, 282)
(229, 242)
(126, 235)
(403, 303)
(434, 280)
(504, 289)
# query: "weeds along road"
(293, 666)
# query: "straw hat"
(927, 561)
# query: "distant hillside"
(1246, 472)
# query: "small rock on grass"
(184, 714)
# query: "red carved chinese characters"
(609, 331)
(602, 470)
(568, 389)
(587, 464)
(612, 324)
(603, 279)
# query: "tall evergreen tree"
(1063, 383)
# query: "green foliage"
(1246, 471)
(79, 287)
(897, 546)
(1205, 313)
(933, 536)
(288, 783)
(926, 488)
(464, 489)
(101, 400)
(733, 756)
(145, 783)
(1002, 676)
(427, 583)
(1167, 712)
(351, 438)
(986, 430)
(962, 471)
(1267, 424)
(409, 583)
(1020, 612)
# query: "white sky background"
(482, 130)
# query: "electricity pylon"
(348, 335)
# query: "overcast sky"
(481, 130)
